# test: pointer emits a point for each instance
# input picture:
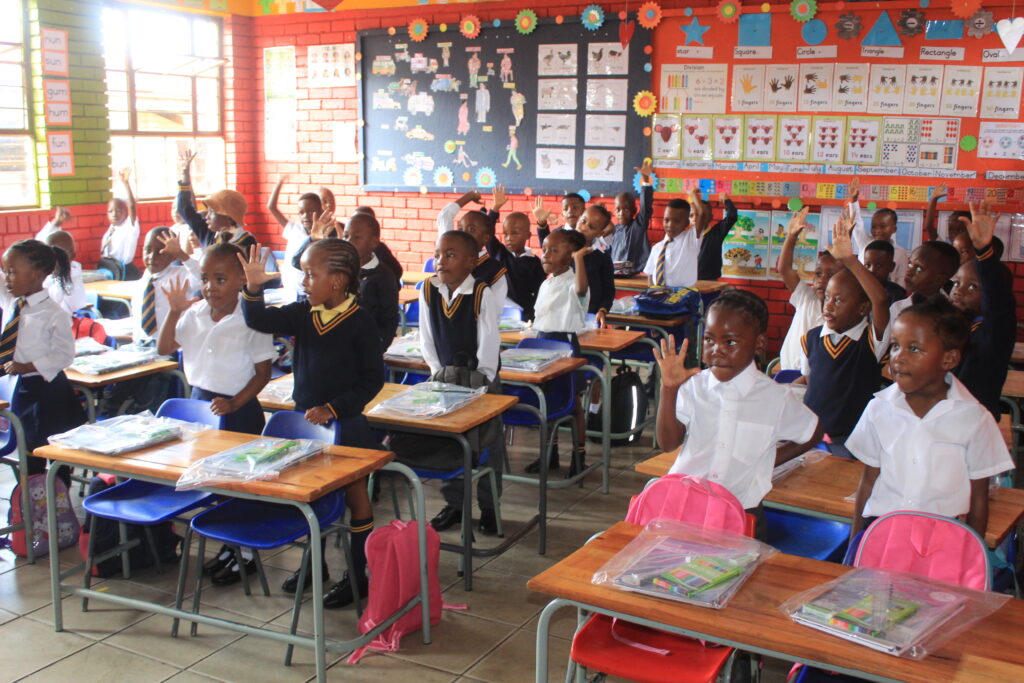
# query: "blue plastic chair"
(806, 536)
(428, 265)
(10, 456)
(786, 376)
(8, 441)
(189, 410)
(291, 424)
(412, 310)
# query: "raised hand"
(645, 171)
(178, 295)
(499, 198)
(60, 214)
(187, 156)
(125, 174)
(981, 226)
(172, 246)
(798, 221)
(853, 190)
(255, 268)
(672, 364)
(540, 214)
(842, 245)
(940, 192)
(323, 226)
(471, 197)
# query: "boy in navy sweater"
(629, 241)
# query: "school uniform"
(525, 274)
(388, 260)
(378, 294)
(74, 298)
(808, 314)
(185, 204)
(843, 374)
(629, 242)
(151, 286)
(993, 333)
(927, 463)
(219, 359)
(709, 256)
(600, 280)
(734, 427)
(121, 240)
(337, 360)
(561, 314)
(487, 269)
(678, 267)
(36, 330)
(46, 231)
(861, 238)
(894, 292)
(295, 236)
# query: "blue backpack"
(668, 302)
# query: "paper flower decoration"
(485, 177)
(728, 11)
(803, 10)
(526, 21)
(644, 103)
(965, 8)
(469, 26)
(981, 24)
(412, 176)
(418, 30)
(849, 26)
(592, 18)
(649, 15)
(443, 176)
(450, 146)
(911, 22)
(637, 178)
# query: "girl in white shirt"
(561, 313)
(36, 343)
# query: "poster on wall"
(665, 140)
(924, 89)
(850, 88)
(697, 139)
(885, 95)
(605, 130)
(759, 134)
(343, 139)
(557, 60)
(805, 254)
(863, 138)
(960, 88)
(1001, 140)
(745, 250)
(780, 93)
(280, 108)
(748, 88)
(728, 132)
(603, 164)
(607, 94)
(556, 129)
(828, 134)
(556, 93)
(815, 84)
(331, 66)
(794, 134)
(1000, 94)
(607, 59)
(693, 88)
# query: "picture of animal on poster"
(745, 253)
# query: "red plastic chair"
(639, 653)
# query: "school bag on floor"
(67, 522)
(628, 408)
(393, 563)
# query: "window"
(164, 94)
(17, 158)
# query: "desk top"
(1018, 353)
(605, 339)
(407, 296)
(823, 487)
(556, 369)
(114, 289)
(992, 646)
(133, 372)
(306, 481)
(4, 405)
(639, 283)
(1014, 384)
(620, 319)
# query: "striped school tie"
(9, 337)
(659, 268)
(108, 237)
(149, 309)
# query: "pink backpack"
(67, 522)
(688, 499)
(392, 560)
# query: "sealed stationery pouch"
(685, 563)
(87, 346)
(124, 433)
(279, 390)
(428, 399)
(263, 458)
(116, 359)
(901, 614)
(406, 347)
(531, 360)
(667, 302)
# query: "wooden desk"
(604, 340)
(1014, 384)
(639, 283)
(407, 296)
(552, 371)
(297, 486)
(646, 322)
(89, 384)
(820, 489)
(113, 289)
(414, 277)
(1018, 354)
(752, 621)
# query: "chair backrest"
(428, 265)
(291, 424)
(688, 499)
(930, 545)
(786, 376)
(9, 392)
(189, 410)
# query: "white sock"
(595, 408)
(247, 554)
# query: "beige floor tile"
(257, 605)
(522, 558)
(339, 624)
(29, 646)
(502, 597)
(563, 624)
(253, 659)
(458, 641)
(513, 660)
(6, 616)
(190, 677)
(151, 638)
(103, 618)
(104, 664)
(373, 668)
(26, 588)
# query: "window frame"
(29, 131)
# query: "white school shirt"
(488, 338)
(558, 308)
(927, 463)
(680, 259)
(123, 240)
(72, 300)
(854, 333)
(291, 277)
(808, 315)
(189, 270)
(600, 244)
(220, 356)
(44, 333)
(861, 238)
(734, 427)
(46, 231)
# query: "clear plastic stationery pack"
(531, 360)
(406, 347)
(124, 433)
(115, 359)
(263, 458)
(901, 614)
(87, 346)
(428, 399)
(685, 563)
(279, 390)
(510, 324)
(785, 469)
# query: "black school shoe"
(340, 594)
(489, 523)
(224, 558)
(448, 517)
(534, 467)
(289, 584)
(233, 573)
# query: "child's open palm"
(540, 214)
(981, 226)
(125, 174)
(842, 245)
(178, 298)
(172, 246)
(672, 364)
(499, 197)
(940, 192)
(798, 221)
(854, 190)
(323, 226)
(255, 268)
(646, 170)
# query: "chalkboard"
(441, 115)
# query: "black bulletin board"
(411, 94)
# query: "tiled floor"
(491, 640)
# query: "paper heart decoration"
(1010, 32)
(626, 29)
(328, 4)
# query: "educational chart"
(551, 110)
(805, 254)
(745, 252)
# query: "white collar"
(526, 252)
(372, 263)
(742, 382)
(957, 393)
(853, 333)
(465, 288)
(37, 298)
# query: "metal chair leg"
(493, 479)
(303, 568)
(126, 565)
(88, 559)
(148, 531)
(179, 592)
(260, 573)
(241, 570)
(199, 583)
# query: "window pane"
(207, 43)
(17, 173)
(157, 35)
(115, 38)
(120, 120)
(117, 80)
(154, 161)
(164, 103)
(11, 21)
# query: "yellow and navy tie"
(659, 268)
(149, 309)
(9, 337)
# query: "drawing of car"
(420, 133)
(382, 100)
(384, 66)
(421, 103)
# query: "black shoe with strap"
(340, 594)
(448, 517)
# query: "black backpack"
(628, 407)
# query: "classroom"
(725, 382)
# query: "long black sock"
(359, 531)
